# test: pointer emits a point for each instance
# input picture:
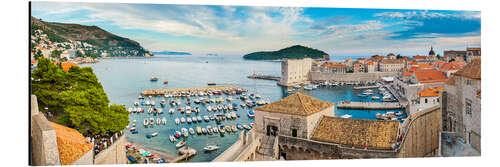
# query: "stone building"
(472, 54)
(295, 115)
(295, 71)
(462, 104)
(391, 65)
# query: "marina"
(369, 105)
(126, 85)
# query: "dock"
(370, 105)
(154, 92)
(265, 77)
(185, 152)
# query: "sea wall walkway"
(369, 105)
(175, 90)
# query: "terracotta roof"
(425, 66)
(407, 74)
(452, 66)
(451, 80)
(430, 92)
(67, 65)
(379, 134)
(34, 61)
(430, 76)
(296, 104)
(412, 63)
(473, 49)
(390, 61)
(471, 70)
(419, 57)
(70, 143)
(413, 69)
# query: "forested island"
(293, 52)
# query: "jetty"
(162, 91)
(186, 153)
(370, 105)
(265, 77)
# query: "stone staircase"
(266, 150)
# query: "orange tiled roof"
(430, 76)
(67, 65)
(70, 143)
(412, 63)
(407, 74)
(379, 134)
(413, 69)
(425, 66)
(430, 92)
(419, 57)
(296, 104)
(471, 70)
(34, 61)
(390, 61)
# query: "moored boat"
(180, 144)
(210, 147)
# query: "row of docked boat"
(151, 121)
(389, 115)
(208, 130)
(199, 93)
(208, 118)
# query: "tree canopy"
(78, 97)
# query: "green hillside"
(293, 52)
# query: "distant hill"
(293, 52)
(171, 53)
(100, 39)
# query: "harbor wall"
(243, 149)
(293, 148)
(370, 105)
(350, 77)
(422, 134)
(44, 149)
(114, 154)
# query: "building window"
(468, 108)
(468, 82)
(426, 100)
(294, 132)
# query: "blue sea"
(124, 78)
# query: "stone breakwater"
(154, 92)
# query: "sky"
(238, 30)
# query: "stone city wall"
(422, 134)
(243, 149)
(115, 154)
(303, 149)
(350, 77)
(44, 150)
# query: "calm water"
(123, 79)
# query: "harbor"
(133, 88)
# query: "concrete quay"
(370, 105)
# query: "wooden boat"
(211, 83)
(165, 82)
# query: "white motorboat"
(375, 98)
(164, 121)
(346, 116)
(177, 121)
(152, 103)
(154, 134)
(129, 110)
(180, 144)
(160, 111)
(215, 129)
(158, 121)
(206, 118)
(136, 103)
(296, 86)
(171, 110)
(211, 147)
(183, 120)
(146, 122)
(204, 130)
(172, 138)
(191, 131)
(151, 121)
(189, 120)
(199, 118)
(247, 127)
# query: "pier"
(369, 105)
(154, 92)
(265, 77)
(186, 153)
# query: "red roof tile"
(430, 76)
